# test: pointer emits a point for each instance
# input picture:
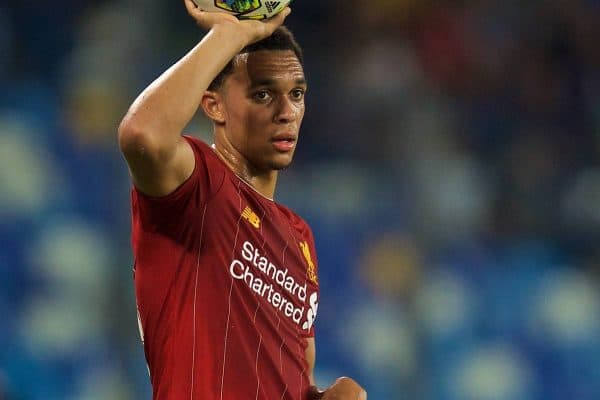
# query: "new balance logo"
(251, 217)
(272, 5)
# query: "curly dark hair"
(281, 39)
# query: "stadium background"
(448, 163)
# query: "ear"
(212, 105)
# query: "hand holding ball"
(244, 9)
(243, 26)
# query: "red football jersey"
(226, 288)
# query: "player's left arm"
(344, 388)
(311, 355)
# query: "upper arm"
(311, 356)
(156, 170)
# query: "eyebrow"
(271, 82)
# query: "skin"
(159, 158)
(260, 102)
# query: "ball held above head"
(244, 9)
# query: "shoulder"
(205, 179)
(198, 146)
(205, 155)
(298, 222)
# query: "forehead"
(267, 66)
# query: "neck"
(263, 182)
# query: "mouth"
(284, 142)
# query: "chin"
(279, 165)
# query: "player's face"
(264, 106)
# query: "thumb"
(278, 19)
(286, 11)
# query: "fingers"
(195, 11)
(191, 7)
(285, 12)
(346, 388)
(278, 19)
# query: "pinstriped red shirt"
(226, 287)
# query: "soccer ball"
(244, 9)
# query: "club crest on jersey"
(251, 217)
(312, 274)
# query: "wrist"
(230, 33)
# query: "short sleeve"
(168, 213)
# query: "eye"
(261, 96)
(298, 94)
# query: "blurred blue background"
(448, 164)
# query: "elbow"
(133, 138)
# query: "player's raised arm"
(150, 138)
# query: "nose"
(287, 110)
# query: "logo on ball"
(238, 6)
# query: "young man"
(225, 278)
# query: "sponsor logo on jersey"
(251, 217)
(311, 315)
(276, 285)
(310, 272)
